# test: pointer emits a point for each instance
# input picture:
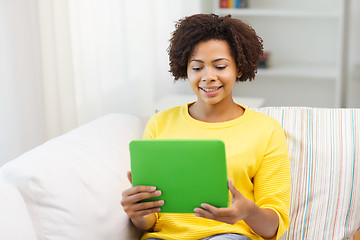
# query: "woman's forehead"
(213, 49)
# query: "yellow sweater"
(257, 163)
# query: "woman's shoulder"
(262, 119)
(167, 113)
(160, 120)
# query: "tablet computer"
(187, 171)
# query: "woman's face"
(212, 71)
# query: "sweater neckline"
(186, 115)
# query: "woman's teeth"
(210, 89)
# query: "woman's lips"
(210, 91)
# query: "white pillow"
(15, 222)
(73, 183)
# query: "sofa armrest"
(15, 221)
(72, 184)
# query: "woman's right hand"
(141, 213)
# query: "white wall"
(22, 108)
(320, 97)
(164, 84)
(21, 104)
(353, 95)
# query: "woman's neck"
(223, 111)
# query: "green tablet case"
(187, 171)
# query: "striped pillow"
(324, 147)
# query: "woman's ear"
(239, 76)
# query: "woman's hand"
(239, 209)
(141, 213)
(263, 221)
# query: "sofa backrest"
(324, 148)
(72, 184)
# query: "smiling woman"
(213, 53)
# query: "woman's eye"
(196, 68)
(220, 67)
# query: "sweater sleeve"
(272, 184)
(150, 129)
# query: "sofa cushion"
(15, 221)
(72, 184)
(324, 148)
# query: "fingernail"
(158, 192)
(161, 202)
(152, 188)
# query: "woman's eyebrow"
(215, 60)
(219, 59)
(197, 60)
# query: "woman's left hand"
(239, 209)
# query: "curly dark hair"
(246, 47)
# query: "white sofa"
(70, 187)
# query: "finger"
(144, 212)
(138, 189)
(232, 188)
(199, 212)
(142, 196)
(128, 202)
(209, 208)
(219, 212)
(129, 176)
(147, 205)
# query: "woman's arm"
(264, 222)
(144, 222)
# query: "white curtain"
(106, 56)
(21, 93)
(79, 60)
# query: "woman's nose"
(209, 75)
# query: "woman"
(213, 53)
